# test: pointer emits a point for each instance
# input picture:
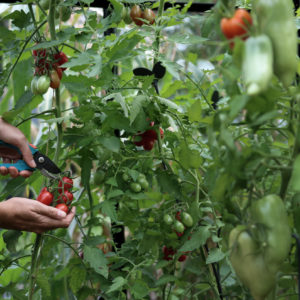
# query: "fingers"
(27, 156)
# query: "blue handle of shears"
(20, 165)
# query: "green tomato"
(42, 84)
(125, 177)
(135, 187)
(144, 183)
(99, 177)
(126, 15)
(186, 219)
(65, 13)
(178, 226)
(168, 219)
(44, 4)
(33, 85)
(141, 176)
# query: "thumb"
(27, 156)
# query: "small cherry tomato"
(136, 15)
(63, 207)
(135, 187)
(150, 134)
(45, 197)
(149, 15)
(66, 183)
(42, 84)
(125, 177)
(168, 219)
(66, 197)
(187, 220)
(54, 79)
(178, 226)
(58, 70)
(126, 15)
(144, 183)
(60, 59)
(182, 258)
(148, 144)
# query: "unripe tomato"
(126, 15)
(58, 70)
(45, 197)
(136, 15)
(168, 219)
(65, 13)
(141, 176)
(178, 226)
(135, 187)
(149, 15)
(187, 220)
(33, 85)
(125, 177)
(144, 183)
(63, 207)
(66, 183)
(42, 84)
(54, 79)
(44, 4)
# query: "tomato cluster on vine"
(48, 70)
(137, 15)
(137, 186)
(180, 222)
(60, 197)
(148, 138)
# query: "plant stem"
(156, 44)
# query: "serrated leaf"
(215, 255)
(140, 289)
(136, 107)
(198, 239)
(118, 282)
(165, 279)
(114, 193)
(112, 143)
(194, 112)
(43, 282)
(77, 278)
(96, 259)
(109, 209)
(168, 103)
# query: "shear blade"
(46, 165)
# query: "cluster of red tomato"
(147, 138)
(138, 15)
(48, 71)
(236, 26)
(169, 252)
(65, 196)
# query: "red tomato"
(54, 79)
(45, 197)
(161, 133)
(148, 144)
(149, 15)
(150, 134)
(63, 207)
(67, 197)
(66, 183)
(238, 25)
(136, 14)
(178, 216)
(58, 70)
(138, 139)
(40, 52)
(182, 258)
(60, 59)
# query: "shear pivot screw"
(41, 159)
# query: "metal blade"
(46, 165)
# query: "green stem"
(33, 18)
(156, 44)
(22, 50)
(35, 115)
(34, 260)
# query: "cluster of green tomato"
(180, 222)
(137, 186)
(62, 12)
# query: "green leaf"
(114, 193)
(112, 143)
(96, 259)
(194, 112)
(77, 278)
(164, 279)
(295, 179)
(186, 39)
(215, 255)
(118, 283)
(43, 282)
(197, 240)
(140, 289)
(11, 238)
(9, 276)
(86, 166)
(136, 107)
(109, 209)
(189, 158)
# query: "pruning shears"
(47, 167)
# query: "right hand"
(30, 215)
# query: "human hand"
(12, 135)
(30, 215)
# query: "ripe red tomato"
(178, 213)
(138, 139)
(150, 134)
(136, 14)
(238, 25)
(182, 258)
(39, 53)
(66, 183)
(63, 207)
(149, 15)
(67, 197)
(148, 144)
(161, 133)
(54, 79)
(58, 70)
(60, 59)
(168, 252)
(45, 197)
